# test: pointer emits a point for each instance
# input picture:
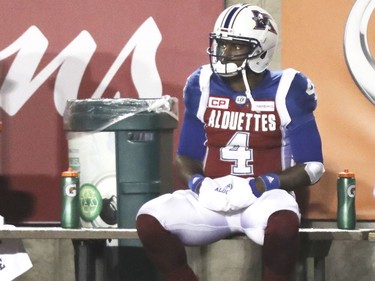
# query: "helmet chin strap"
(247, 86)
(229, 69)
(234, 71)
(226, 69)
(255, 106)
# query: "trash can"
(126, 142)
(123, 151)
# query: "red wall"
(51, 52)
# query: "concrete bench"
(36, 232)
(315, 243)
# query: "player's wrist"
(195, 182)
(271, 181)
(264, 183)
(254, 189)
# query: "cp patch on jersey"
(215, 102)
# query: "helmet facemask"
(227, 65)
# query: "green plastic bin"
(143, 131)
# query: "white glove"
(229, 193)
(212, 196)
(241, 196)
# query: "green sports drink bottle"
(346, 186)
(70, 209)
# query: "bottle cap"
(346, 174)
(69, 173)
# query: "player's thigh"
(182, 214)
(172, 207)
(254, 219)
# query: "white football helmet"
(247, 24)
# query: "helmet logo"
(262, 20)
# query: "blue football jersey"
(233, 135)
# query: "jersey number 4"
(237, 151)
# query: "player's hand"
(241, 195)
(213, 196)
(226, 193)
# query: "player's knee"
(284, 224)
(148, 227)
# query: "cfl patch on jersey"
(221, 103)
(240, 100)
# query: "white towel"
(14, 260)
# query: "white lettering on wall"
(21, 81)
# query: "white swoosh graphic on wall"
(358, 57)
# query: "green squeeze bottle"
(70, 208)
(346, 186)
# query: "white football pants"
(181, 213)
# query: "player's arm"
(306, 147)
(187, 167)
(305, 142)
(191, 149)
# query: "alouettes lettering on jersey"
(241, 141)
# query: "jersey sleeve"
(301, 100)
(302, 131)
(192, 135)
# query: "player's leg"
(164, 249)
(281, 244)
(273, 222)
(171, 221)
